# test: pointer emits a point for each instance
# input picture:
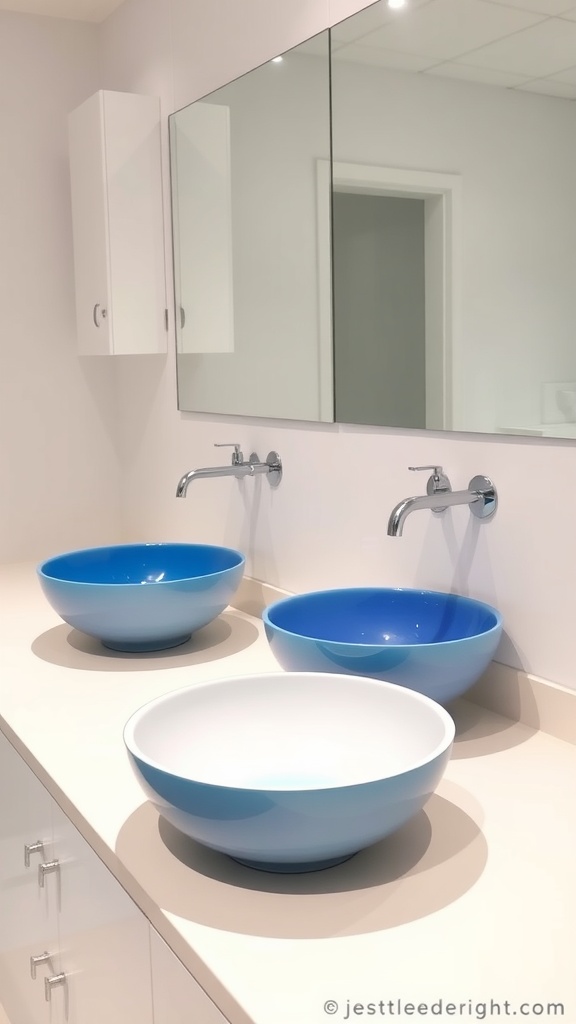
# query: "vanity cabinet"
(178, 998)
(102, 937)
(28, 917)
(117, 223)
(114, 968)
(97, 939)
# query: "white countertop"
(472, 901)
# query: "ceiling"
(78, 10)
(519, 44)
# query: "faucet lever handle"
(237, 455)
(438, 483)
(438, 471)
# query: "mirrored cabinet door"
(379, 227)
(251, 307)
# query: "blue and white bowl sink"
(436, 643)
(289, 772)
(142, 597)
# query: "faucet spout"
(480, 496)
(435, 502)
(239, 470)
(272, 468)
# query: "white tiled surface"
(507, 44)
(447, 28)
(542, 49)
(547, 7)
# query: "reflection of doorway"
(379, 309)
(440, 196)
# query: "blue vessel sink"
(142, 597)
(436, 643)
(289, 772)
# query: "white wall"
(326, 524)
(58, 463)
(62, 449)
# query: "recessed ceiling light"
(396, 3)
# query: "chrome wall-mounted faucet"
(237, 467)
(481, 497)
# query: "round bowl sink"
(436, 643)
(142, 597)
(289, 771)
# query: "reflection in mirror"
(454, 156)
(471, 324)
(379, 309)
(249, 302)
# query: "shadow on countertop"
(426, 865)
(228, 634)
(480, 731)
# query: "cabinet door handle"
(99, 314)
(37, 961)
(52, 982)
(46, 868)
(30, 848)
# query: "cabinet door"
(135, 223)
(90, 227)
(178, 998)
(118, 224)
(103, 938)
(28, 912)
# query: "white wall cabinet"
(117, 221)
(114, 967)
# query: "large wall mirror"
(381, 227)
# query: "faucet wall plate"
(274, 462)
(438, 483)
(487, 502)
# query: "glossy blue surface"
(141, 597)
(436, 643)
(198, 764)
(291, 830)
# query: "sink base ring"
(145, 646)
(293, 867)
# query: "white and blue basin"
(142, 597)
(289, 772)
(436, 643)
